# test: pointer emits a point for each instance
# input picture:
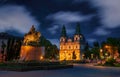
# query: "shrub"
(110, 62)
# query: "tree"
(11, 49)
(96, 44)
(95, 50)
(103, 43)
(3, 46)
(87, 51)
(8, 49)
(51, 51)
(114, 45)
(54, 52)
(17, 47)
(119, 46)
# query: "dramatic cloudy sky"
(99, 19)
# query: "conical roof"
(63, 32)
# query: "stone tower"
(63, 34)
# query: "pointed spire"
(78, 29)
(63, 33)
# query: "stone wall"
(29, 53)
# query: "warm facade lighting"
(101, 50)
(70, 47)
(30, 50)
(41, 57)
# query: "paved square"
(79, 70)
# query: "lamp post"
(101, 53)
(91, 56)
(106, 55)
(83, 56)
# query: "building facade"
(71, 48)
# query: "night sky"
(99, 19)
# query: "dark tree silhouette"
(3, 46)
(51, 51)
(87, 51)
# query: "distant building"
(72, 48)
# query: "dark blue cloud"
(14, 17)
(97, 22)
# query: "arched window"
(76, 47)
(69, 47)
(76, 38)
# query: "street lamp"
(83, 56)
(101, 50)
(106, 54)
(41, 57)
(101, 53)
(91, 56)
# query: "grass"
(28, 66)
(110, 64)
(117, 65)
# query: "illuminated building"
(70, 48)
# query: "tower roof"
(63, 32)
(77, 31)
